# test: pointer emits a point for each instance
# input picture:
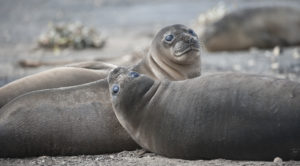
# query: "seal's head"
(127, 88)
(177, 43)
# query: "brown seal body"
(79, 119)
(230, 116)
(53, 78)
(63, 121)
(69, 75)
(262, 27)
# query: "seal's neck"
(134, 118)
(161, 69)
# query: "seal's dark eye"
(134, 74)
(169, 38)
(192, 32)
(115, 89)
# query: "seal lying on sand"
(63, 77)
(263, 27)
(80, 120)
(230, 116)
(124, 60)
(53, 78)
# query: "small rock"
(73, 35)
(277, 160)
(251, 62)
(275, 66)
(276, 51)
(296, 54)
(237, 67)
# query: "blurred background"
(256, 36)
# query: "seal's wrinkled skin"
(79, 120)
(228, 115)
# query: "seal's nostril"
(186, 38)
(116, 70)
(194, 43)
(192, 40)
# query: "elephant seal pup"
(173, 60)
(123, 60)
(53, 78)
(62, 121)
(230, 116)
(80, 119)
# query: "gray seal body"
(230, 116)
(53, 78)
(261, 27)
(64, 121)
(80, 120)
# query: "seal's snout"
(115, 73)
(116, 70)
(194, 43)
(192, 40)
(188, 43)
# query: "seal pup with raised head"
(161, 63)
(64, 77)
(230, 116)
(79, 119)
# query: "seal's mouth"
(186, 50)
(184, 46)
